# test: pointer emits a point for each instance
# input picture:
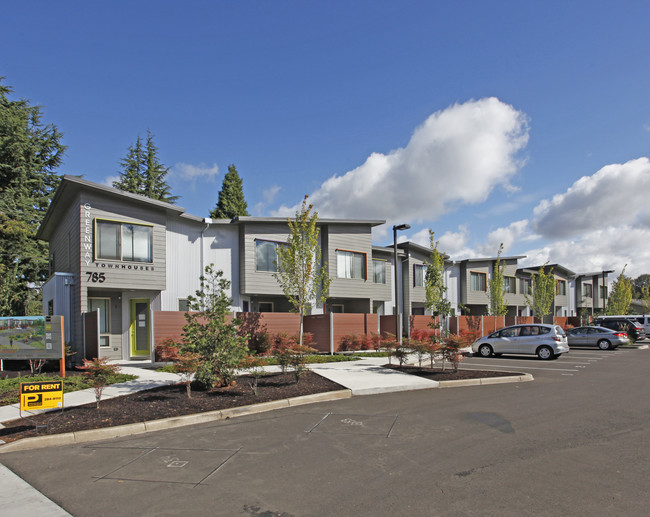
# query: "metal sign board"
(41, 395)
(31, 337)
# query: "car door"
(578, 336)
(507, 342)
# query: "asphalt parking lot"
(573, 442)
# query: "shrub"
(260, 343)
(289, 353)
(450, 350)
(99, 372)
(349, 343)
(255, 367)
(167, 351)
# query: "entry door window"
(103, 305)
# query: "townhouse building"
(117, 257)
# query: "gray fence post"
(331, 333)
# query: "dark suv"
(634, 330)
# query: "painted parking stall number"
(349, 421)
(173, 462)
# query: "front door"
(140, 328)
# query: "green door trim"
(132, 328)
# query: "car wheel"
(545, 352)
(603, 344)
(485, 350)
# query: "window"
(183, 304)
(123, 241)
(510, 284)
(266, 255)
(478, 281)
(265, 306)
(560, 288)
(526, 286)
(102, 305)
(350, 264)
(419, 272)
(379, 271)
(603, 292)
(587, 290)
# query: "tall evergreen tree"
(496, 289)
(231, 202)
(142, 173)
(29, 154)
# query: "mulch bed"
(437, 374)
(164, 402)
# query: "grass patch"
(10, 387)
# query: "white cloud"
(508, 236)
(108, 180)
(189, 172)
(270, 193)
(615, 195)
(457, 156)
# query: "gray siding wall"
(475, 297)
(382, 292)
(348, 237)
(122, 274)
(251, 280)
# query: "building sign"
(31, 337)
(41, 395)
(86, 234)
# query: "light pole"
(396, 228)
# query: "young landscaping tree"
(209, 334)
(186, 365)
(543, 295)
(30, 152)
(231, 202)
(142, 173)
(99, 371)
(434, 283)
(620, 298)
(300, 273)
(496, 288)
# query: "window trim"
(365, 258)
(383, 262)
(266, 303)
(558, 282)
(514, 284)
(480, 273)
(108, 320)
(424, 272)
(121, 223)
(274, 242)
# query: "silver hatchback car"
(544, 341)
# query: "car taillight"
(556, 338)
(620, 334)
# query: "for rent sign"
(41, 395)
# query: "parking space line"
(517, 366)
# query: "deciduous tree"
(300, 273)
(231, 202)
(543, 295)
(620, 298)
(496, 288)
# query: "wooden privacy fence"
(329, 329)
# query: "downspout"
(207, 222)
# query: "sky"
(522, 123)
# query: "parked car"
(545, 341)
(603, 338)
(634, 330)
(641, 319)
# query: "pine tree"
(231, 202)
(143, 173)
(29, 154)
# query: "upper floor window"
(587, 290)
(123, 241)
(478, 281)
(603, 292)
(560, 288)
(419, 272)
(379, 271)
(526, 286)
(350, 264)
(266, 255)
(510, 284)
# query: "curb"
(106, 433)
(524, 377)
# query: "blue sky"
(526, 123)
